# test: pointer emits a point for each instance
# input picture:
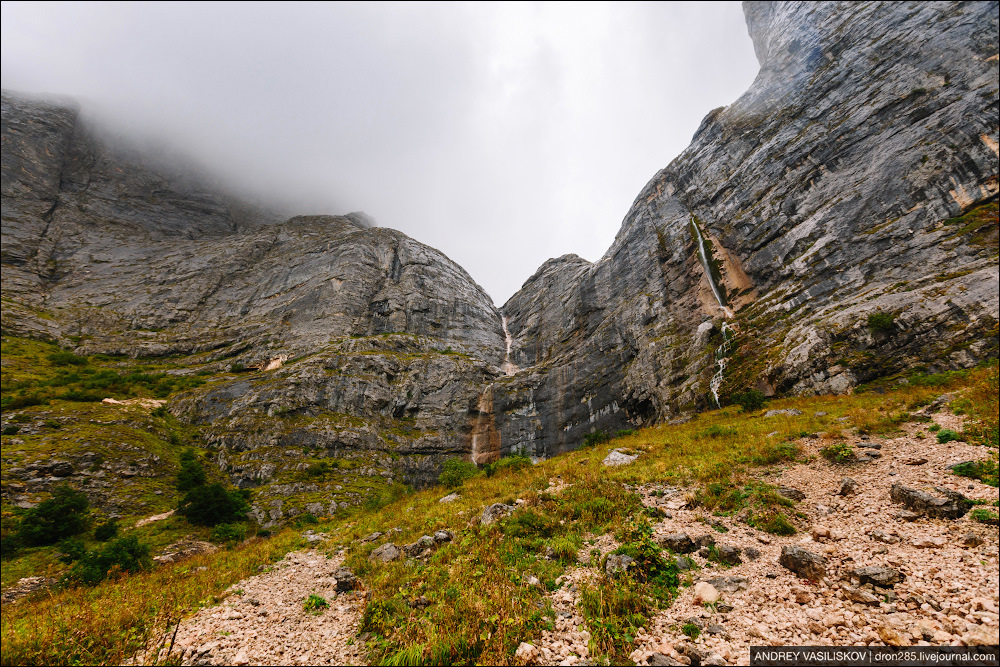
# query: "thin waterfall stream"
(722, 353)
(484, 407)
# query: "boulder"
(679, 543)
(617, 457)
(705, 593)
(848, 487)
(860, 595)
(804, 563)
(949, 505)
(386, 553)
(618, 564)
(878, 575)
(346, 581)
(791, 494)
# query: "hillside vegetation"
(476, 597)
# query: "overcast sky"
(500, 134)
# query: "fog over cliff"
(501, 134)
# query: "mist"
(501, 134)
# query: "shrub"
(947, 435)
(16, 402)
(72, 549)
(212, 504)
(64, 358)
(840, 452)
(529, 522)
(192, 472)
(984, 470)
(455, 471)
(125, 554)
(934, 428)
(315, 603)
(596, 438)
(511, 464)
(61, 516)
(983, 515)
(880, 321)
(750, 400)
(12, 429)
(105, 531)
(691, 630)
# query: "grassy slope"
(480, 606)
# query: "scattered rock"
(184, 549)
(791, 494)
(907, 515)
(728, 554)
(885, 538)
(450, 498)
(729, 584)
(953, 505)
(495, 512)
(386, 553)
(526, 653)
(618, 457)
(705, 593)
(878, 575)
(848, 487)
(804, 563)
(892, 637)
(791, 412)
(801, 595)
(444, 536)
(914, 461)
(820, 533)
(971, 540)
(716, 629)
(26, 586)
(372, 537)
(664, 660)
(981, 636)
(860, 595)
(683, 563)
(618, 564)
(346, 581)
(753, 553)
(925, 542)
(679, 543)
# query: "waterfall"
(481, 431)
(722, 353)
(508, 367)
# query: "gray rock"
(971, 540)
(949, 505)
(848, 487)
(346, 581)
(878, 575)
(678, 543)
(617, 564)
(444, 536)
(716, 629)
(683, 563)
(706, 540)
(791, 494)
(495, 512)
(386, 553)
(791, 412)
(663, 660)
(371, 537)
(728, 554)
(804, 563)
(617, 457)
(729, 584)
(860, 595)
(753, 553)
(907, 515)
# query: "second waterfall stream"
(722, 353)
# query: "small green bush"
(880, 321)
(71, 549)
(192, 473)
(511, 464)
(529, 522)
(596, 438)
(455, 471)
(315, 603)
(984, 470)
(983, 515)
(105, 531)
(125, 554)
(12, 429)
(691, 630)
(63, 515)
(64, 358)
(947, 435)
(213, 504)
(934, 428)
(750, 400)
(839, 452)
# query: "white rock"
(705, 592)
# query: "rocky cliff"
(848, 206)
(833, 190)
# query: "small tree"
(455, 471)
(212, 504)
(750, 400)
(192, 472)
(63, 515)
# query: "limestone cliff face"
(826, 192)
(377, 344)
